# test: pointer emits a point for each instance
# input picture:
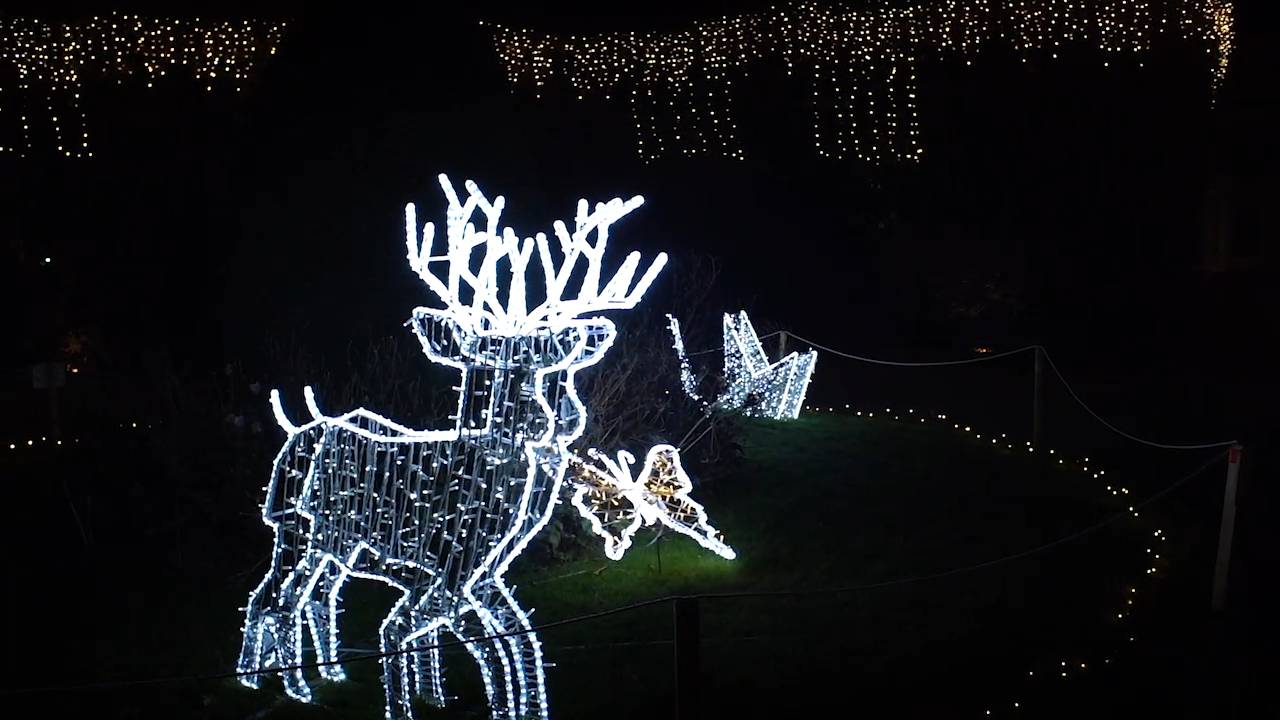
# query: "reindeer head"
(497, 315)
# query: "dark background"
(1114, 215)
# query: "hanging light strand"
(860, 63)
(48, 64)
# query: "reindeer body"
(440, 515)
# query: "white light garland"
(756, 387)
(616, 503)
(440, 515)
(51, 62)
(1151, 559)
(860, 62)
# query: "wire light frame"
(754, 386)
(45, 68)
(618, 503)
(859, 61)
(439, 515)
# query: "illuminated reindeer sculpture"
(440, 515)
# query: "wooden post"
(782, 344)
(1227, 530)
(687, 657)
(1037, 400)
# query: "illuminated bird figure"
(439, 515)
(617, 504)
(754, 386)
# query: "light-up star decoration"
(617, 504)
(755, 386)
(439, 515)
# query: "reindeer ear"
(587, 340)
(442, 338)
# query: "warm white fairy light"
(687, 379)
(439, 515)
(755, 386)
(860, 62)
(617, 504)
(1083, 466)
(51, 63)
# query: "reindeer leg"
(260, 623)
(322, 617)
(393, 636)
(291, 603)
(526, 652)
(428, 677)
(434, 692)
(503, 698)
(490, 656)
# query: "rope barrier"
(721, 347)
(874, 361)
(1052, 365)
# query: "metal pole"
(1037, 400)
(782, 344)
(1227, 530)
(685, 615)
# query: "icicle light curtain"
(44, 67)
(860, 62)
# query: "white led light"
(439, 515)
(755, 386)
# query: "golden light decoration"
(45, 66)
(617, 502)
(860, 63)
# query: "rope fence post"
(1227, 530)
(685, 614)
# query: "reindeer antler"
(485, 310)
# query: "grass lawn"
(823, 502)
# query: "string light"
(439, 515)
(51, 62)
(616, 504)
(755, 386)
(1124, 611)
(860, 63)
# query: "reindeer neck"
(502, 399)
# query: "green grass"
(822, 502)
